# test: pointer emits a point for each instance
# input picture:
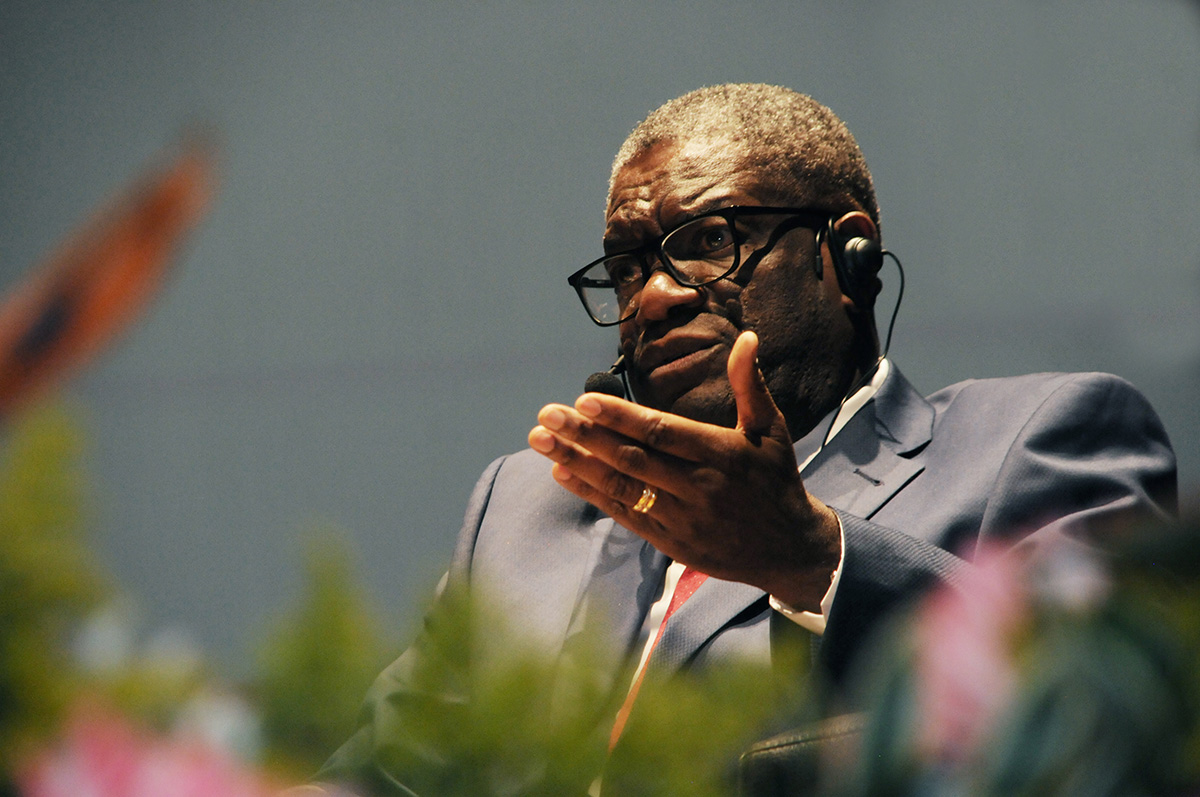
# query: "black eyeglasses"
(703, 249)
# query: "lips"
(678, 356)
(675, 351)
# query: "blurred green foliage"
(482, 714)
(317, 661)
(1106, 699)
(689, 730)
(487, 713)
(48, 578)
(311, 672)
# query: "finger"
(660, 432)
(577, 433)
(620, 510)
(589, 468)
(635, 458)
(756, 411)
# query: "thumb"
(757, 415)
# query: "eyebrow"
(710, 206)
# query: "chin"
(805, 398)
(708, 403)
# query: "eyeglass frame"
(817, 221)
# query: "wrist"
(804, 585)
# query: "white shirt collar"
(852, 405)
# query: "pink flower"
(964, 660)
(102, 755)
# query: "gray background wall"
(377, 306)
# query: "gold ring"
(649, 496)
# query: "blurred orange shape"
(101, 277)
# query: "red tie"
(689, 581)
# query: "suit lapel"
(623, 576)
(626, 577)
(876, 454)
(871, 459)
(709, 610)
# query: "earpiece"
(856, 262)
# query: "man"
(773, 462)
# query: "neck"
(803, 416)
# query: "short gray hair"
(802, 148)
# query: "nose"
(661, 294)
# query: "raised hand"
(728, 502)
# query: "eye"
(713, 240)
(622, 271)
(703, 239)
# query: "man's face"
(677, 344)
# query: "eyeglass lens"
(701, 251)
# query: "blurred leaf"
(1107, 696)
(317, 662)
(687, 731)
(102, 276)
(483, 711)
(48, 579)
(489, 714)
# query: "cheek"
(627, 339)
(784, 312)
(803, 339)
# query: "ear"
(857, 257)
(856, 224)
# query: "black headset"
(856, 262)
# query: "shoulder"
(1059, 429)
(519, 485)
(1089, 400)
(1042, 426)
(525, 472)
(1035, 389)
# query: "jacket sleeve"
(1090, 463)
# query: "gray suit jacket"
(919, 484)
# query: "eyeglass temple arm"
(783, 229)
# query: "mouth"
(677, 355)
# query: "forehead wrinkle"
(693, 177)
(641, 197)
(628, 213)
(725, 172)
